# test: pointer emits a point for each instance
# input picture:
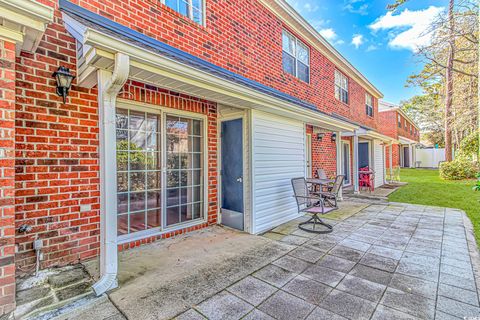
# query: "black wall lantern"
(334, 137)
(64, 81)
(320, 136)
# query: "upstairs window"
(192, 9)
(399, 121)
(341, 86)
(295, 57)
(369, 105)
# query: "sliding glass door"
(184, 169)
(149, 198)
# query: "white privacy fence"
(429, 158)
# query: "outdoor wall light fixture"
(64, 82)
(334, 137)
(320, 136)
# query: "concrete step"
(52, 290)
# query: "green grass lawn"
(426, 187)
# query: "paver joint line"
(388, 261)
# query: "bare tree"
(449, 84)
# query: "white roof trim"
(405, 140)
(370, 134)
(394, 107)
(148, 65)
(297, 23)
(24, 22)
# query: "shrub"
(459, 169)
(476, 187)
(469, 145)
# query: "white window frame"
(340, 86)
(369, 107)
(399, 121)
(297, 61)
(190, 10)
(164, 112)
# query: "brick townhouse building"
(182, 114)
(395, 123)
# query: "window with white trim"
(341, 87)
(192, 9)
(295, 57)
(369, 105)
(146, 197)
(399, 121)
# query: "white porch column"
(390, 160)
(412, 157)
(338, 145)
(109, 85)
(355, 163)
(384, 157)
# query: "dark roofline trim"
(69, 7)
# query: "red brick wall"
(242, 36)
(56, 158)
(407, 132)
(388, 125)
(156, 96)
(57, 165)
(7, 176)
(395, 156)
(324, 154)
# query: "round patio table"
(319, 183)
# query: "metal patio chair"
(312, 203)
(331, 196)
(321, 174)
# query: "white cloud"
(319, 24)
(309, 7)
(357, 40)
(417, 34)
(328, 34)
(302, 6)
(356, 6)
(372, 47)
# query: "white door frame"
(308, 154)
(346, 142)
(247, 226)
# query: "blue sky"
(380, 44)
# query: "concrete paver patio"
(388, 261)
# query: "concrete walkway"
(392, 261)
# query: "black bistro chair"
(313, 204)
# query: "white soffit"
(24, 22)
(96, 51)
(297, 23)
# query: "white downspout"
(109, 85)
(390, 160)
(355, 163)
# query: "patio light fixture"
(320, 136)
(64, 81)
(334, 137)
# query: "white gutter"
(109, 85)
(149, 61)
(294, 20)
(405, 140)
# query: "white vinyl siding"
(278, 150)
(379, 163)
